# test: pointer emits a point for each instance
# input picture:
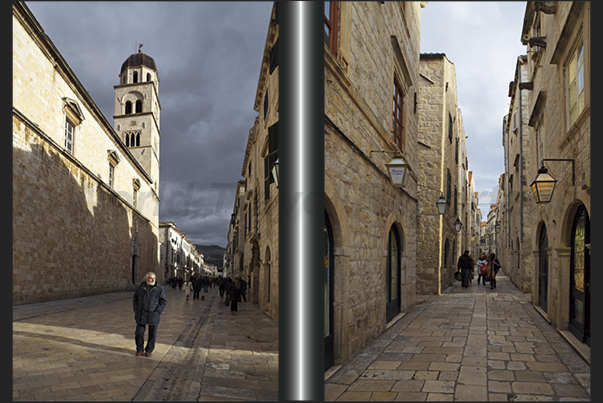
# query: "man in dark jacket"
(465, 267)
(149, 303)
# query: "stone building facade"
(85, 209)
(371, 57)
(252, 251)
(516, 202)
(178, 258)
(557, 36)
(442, 171)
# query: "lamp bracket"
(565, 160)
(386, 151)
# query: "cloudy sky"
(208, 57)
(482, 39)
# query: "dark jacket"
(197, 284)
(149, 303)
(235, 291)
(465, 262)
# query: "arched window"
(138, 106)
(127, 140)
(128, 107)
(135, 77)
(137, 139)
(148, 76)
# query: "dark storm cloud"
(208, 56)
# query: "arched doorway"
(543, 269)
(579, 323)
(393, 289)
(329, 282)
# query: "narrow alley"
(466, 344)
(83, 349)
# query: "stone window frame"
(331, 26)
(73, 117)
(114, 159)
(398, 127)
(135, 189)
(570, 81)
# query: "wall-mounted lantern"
(398, 171)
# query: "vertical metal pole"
(520, 124)
(301, 198)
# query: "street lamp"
(543, 186)
(457, 224)
(398, 171)
(275, 172)
(441, 205)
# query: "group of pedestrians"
(233, 291)
(195, 284)
(487, 268)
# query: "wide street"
(466, 344)
(83, 349)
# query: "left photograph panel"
(145, 201)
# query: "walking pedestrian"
(481, 274)
(234, 293)
(243, 289)
(493, 270)
(464, 265)
(196, 287)
(222, 283)
(188, 286)
(149, 303)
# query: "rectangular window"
(398, 114)
(331, 25)
(448, 186)
(450, 128)
(111, 175)
(274, 56)
(69, 135)
(270, 158)
(574, 82)
(540, 144)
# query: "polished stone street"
(466, 344)
(83, 349)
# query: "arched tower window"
(137, 139)
(135, 77)
(148, 76)
(128, 107)
(138, 106)
(127, 140)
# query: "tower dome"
(138, 59)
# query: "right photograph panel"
(456, 135)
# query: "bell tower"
(137, 108)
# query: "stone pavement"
(466, 344)
(83, 349)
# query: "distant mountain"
(213, 254)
